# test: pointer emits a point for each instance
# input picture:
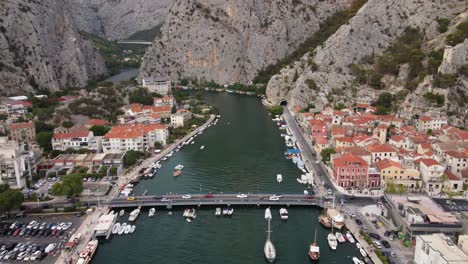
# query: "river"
(243, 153)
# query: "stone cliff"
(229, 41)
(41, 49)
(117, 19)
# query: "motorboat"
(112, 212)
(186, 212)
(269, 249)
(314, 249)
(132, 229)
(225, 211)
(192, 213)
(350, 238)
(218, 211)
(357, 261)
(332, 241)
(127, 229)
(358, 246)
(88, 251)
(303, 179)
(306, 192)
(177, 173)
(151, 213)
(134, 215)
(122, 228)
(179, 167)
(116, 228)
(363, 252)
(279, 178)
(202, 147)
(299, 180)
(188, 220)
(268, 214)
(230, 211)
(283, 213)
(340, 237)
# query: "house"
(401, 142)
(438, 248)
(317, 128)
(74, 139)
(453, 183)
(143, 110)
(344, 142)
(180, 118)
(350, 171)
(23, 132)
(15, 163)
(321, 143)
(157, 85)
(455, 161)
(382, 151)
(426, 123)
(357, 151)
(139, 137)
(392, 171)
(431, 174)
(14, 108)
(167, 100)
(380, 133)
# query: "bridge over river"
(215, 200)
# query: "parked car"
(374, 235)
(187, 196)
(386, 244)
(377, 244)
(358, 221)
(208, 195)
(241, 195)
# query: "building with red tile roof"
(22, 132)
(343, 142)
(351, 171)
(139, 137)
(455, 161)
(74, 139)
(426, 123)
(431, 173)
(96, 122)
(382, 151)
(318, 129)
(167, 100)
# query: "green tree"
(276, 110)
(99, 130)
(326, 153)
(67, 124)
(10, 199)
(71, 185)
(443, 24)
(385, 100)
(157, 145)
(141, 96)
(44, 140)
(184, 82)
(131, 157)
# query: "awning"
(70, 245)
(293, 151)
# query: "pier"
(216, 199)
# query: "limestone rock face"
(41, 49)
(376, 26)
(117, 19)
(229, 41)
(454, 57)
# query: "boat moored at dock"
(134, 215)
(268, 214)
(332, 241)
(284, 214)
(151, 212)
(269, 249)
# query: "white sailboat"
(279, 178)
(151, 213)
(127, 229)
(122, 228)
(332, 241)
(268, 214)
(284, 213)
(218, 211)
(363, 252)
(122, 212)
(116, 228)
(269, 249)
(134, 214)
(202, 147)
(133, 229)
(179, 167)
(230, 211)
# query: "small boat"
(332, 241)
(340, 237)
(193, 142)
(192, 213)
(176, 173)
(151, 212)
(112, 212)
(279, 178)
(218, 211)
(202, 147)
(314, 249)
(127, 229)
(299, 180)
(283, 213)
(268, 214)
(179, 167)
(122, 212)
(186, 212)
(225, 211)
(144, 193)
(358, 246)
(357, 261)
(306, 192)
(188, 220)
(269, 249)
(230, 211)
(132, 229)
(350, 238)
(122, 228)
(116, 228)
(363, 252)
(134, 215)
(169, 213)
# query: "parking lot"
(35, 238)
(453, 205)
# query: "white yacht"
(283, 213)
(340, 237)
(132, 229)
(332, 241)
(279, 178)
(230, 211)
(218, 211)
(269, 249)
(122, 228)
(179, 167)
(357, 261)
(134, 215)
(225, 211)
(363, 252)
(151, 213)
(268, 214)
(202, 147)
(116, 228)
(350, 238)
(122, 212)
(127, 229)
(358, 246)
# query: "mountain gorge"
(230, 41)
(41, 49)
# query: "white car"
(164, 199)
(241, 195)
(377, 244)
(329, 192)
(274, 198)
(186, 196)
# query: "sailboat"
(152, 211)
(269, 249)
(332, 240)
(279, 178)
(314, 250)
(268, 213)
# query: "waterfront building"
(438, 249)
(167, 100)
(74, 139)
(23, 132)
(180, 118)
(318, 129)
(15, 163)
(382, 151)
(392, 171)
(431, 174)
(350, 171)
(139, 137)
(157, 85)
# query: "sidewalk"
(351, 226)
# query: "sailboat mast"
(268, 232)
(315, 239)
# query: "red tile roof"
(380, 148)
(397, 138)
(425, 118)
(451, 176)
(349, 160)
(97, 122)
(429, 162)
(74, 134)
(457, 154)
(386, 163)
(357, 151)
(322, 140)
(132, 131)
(21, 125)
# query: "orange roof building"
(139, 137)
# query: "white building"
(431, 174)
(425, 123)
(15, 163)
(139, 137)
(180, 118)
(74, 139)
(158, 85)
(438, 249)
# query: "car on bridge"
(241, 195)
(187, 196)
(275, 197)
(208, 195)
(309, 197)
(131, 198)
(165, 200)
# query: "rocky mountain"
(117, 19)
(229, 41)
(41, 49)
(328, 74)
